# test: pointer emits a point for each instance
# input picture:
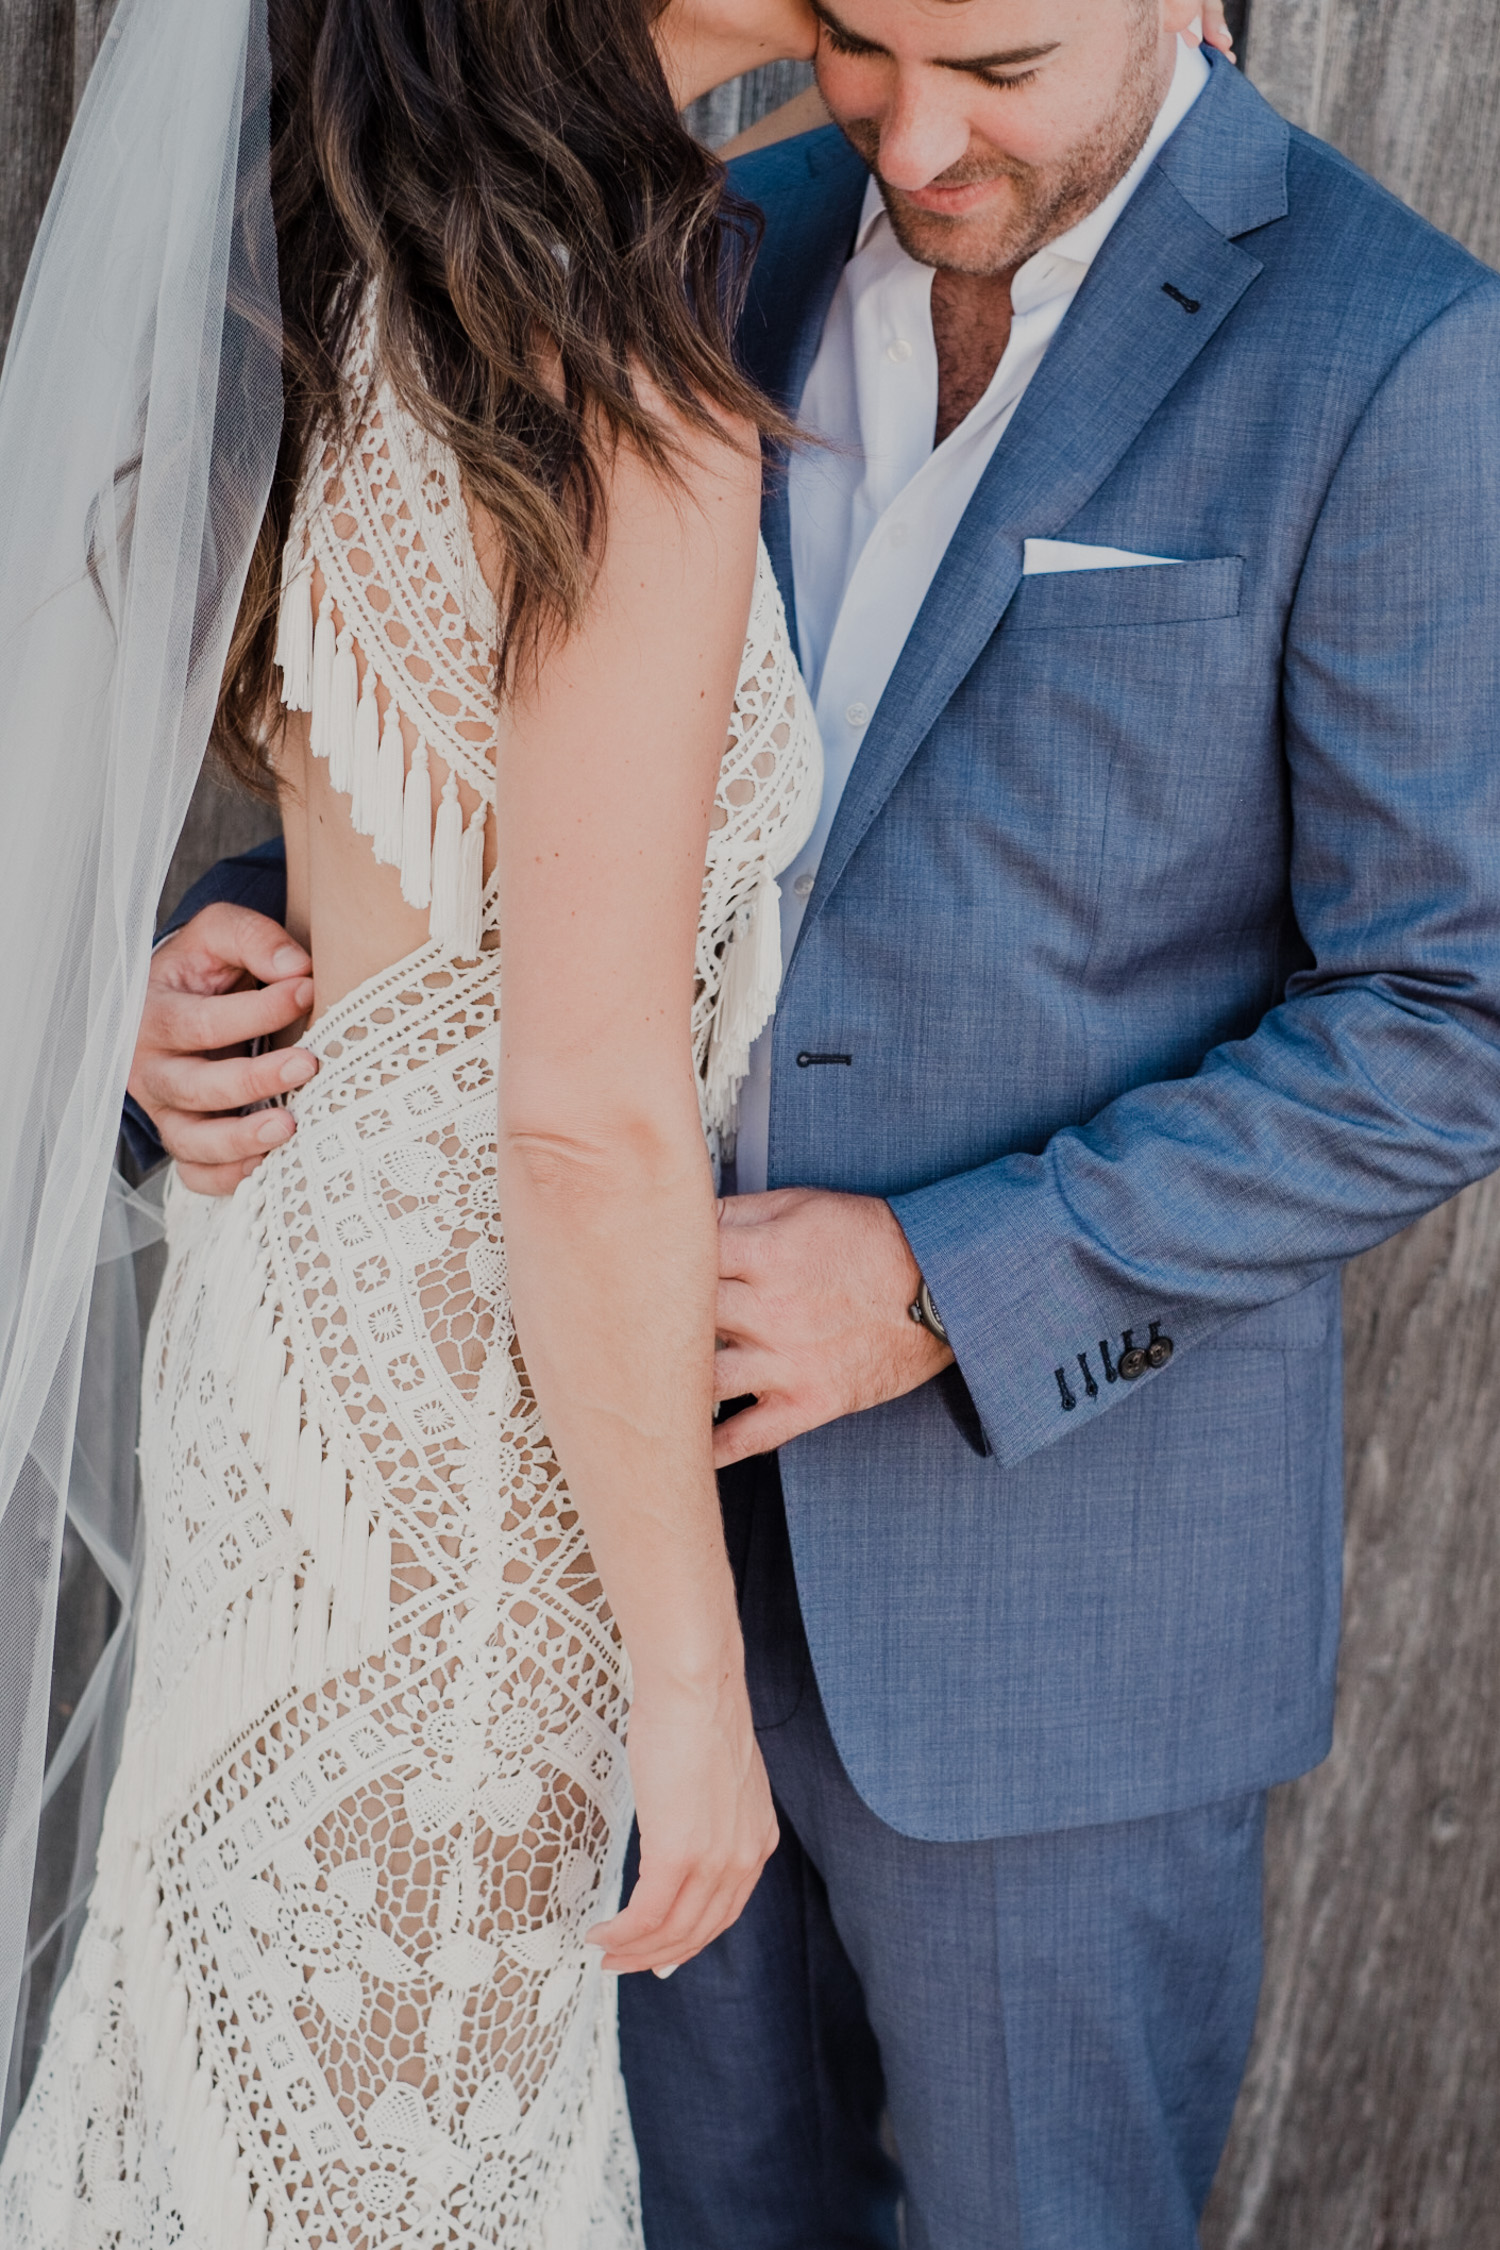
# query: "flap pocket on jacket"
(1146, 594)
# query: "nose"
(922, 133)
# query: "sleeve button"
(1159, 1352)
(1134, 1363)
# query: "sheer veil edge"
(140, 415)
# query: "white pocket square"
(1044, 555)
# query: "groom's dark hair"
(541, 232)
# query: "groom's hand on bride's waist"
(226, 979)
(814, 1318)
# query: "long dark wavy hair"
(542, 232)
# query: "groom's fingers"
(203, 1023)
(221, 944)
(743, 1369)
(208, 1085)
(213, 1142)
(761, 1428)
(747, 1233)
(789, 1398)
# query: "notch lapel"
(1123, 347)
(811, 199)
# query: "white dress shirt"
(872, 520)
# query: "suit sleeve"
(256, 879)
(1372, 1092)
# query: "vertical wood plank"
(1289, 56)
(730, 109)
(1370, 2118)
(36, 109)
(1371, 2115)
(1410, 89)
(91, 21)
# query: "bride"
(346, 1976)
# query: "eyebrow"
(1005, 59)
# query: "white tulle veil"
(140, 415)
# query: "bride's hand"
(706, 1819)
(1216, 30)
(703, 43)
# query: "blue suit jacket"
(1161, 919)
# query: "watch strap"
(925, 1313)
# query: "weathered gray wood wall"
(744, 101)
(1409, 88)
(37, 39)
(1371, 2116)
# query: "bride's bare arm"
(606, 790)
(704, 42)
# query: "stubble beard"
(1047, 198)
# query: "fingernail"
(288, 960)
(298, 1067)
(275, 1130)
(304, 993)
(665, 1973)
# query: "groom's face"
(994, 125)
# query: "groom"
(1144, 966)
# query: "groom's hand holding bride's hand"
(227, 978)
(814, 1318)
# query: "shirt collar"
(1062, 263)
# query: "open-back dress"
(332, 1993)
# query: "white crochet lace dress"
(332, 1993)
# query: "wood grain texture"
(222, 820)
(1409, 88)
(1370, 2118)
(37, 40)
(729, 109)
(1371, 2115)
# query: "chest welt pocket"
(1074, 601)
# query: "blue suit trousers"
(1051, 2029)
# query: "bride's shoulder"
(715, 452)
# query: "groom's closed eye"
(1002, 69)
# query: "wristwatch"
(926, 1315)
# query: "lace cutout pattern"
(406, 609)
(333, 1992)
(335, 1978)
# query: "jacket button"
(1133, 1364)
(1159, 1351)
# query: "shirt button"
(898, 350)
(804, 883)
(900, 534)
(857, 714)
